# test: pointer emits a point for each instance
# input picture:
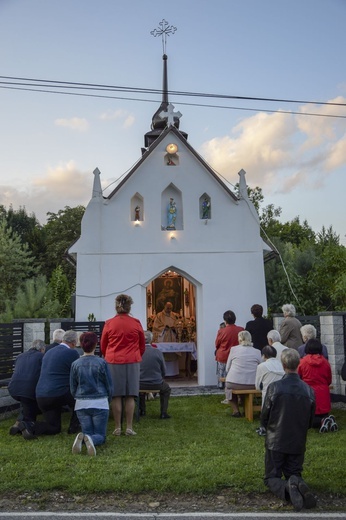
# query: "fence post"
(333, 336)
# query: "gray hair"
(308, 331)
(148, 337)
(244, 338)
(274, 335)
(38, 344)
(70, 336)
(290, 359)
(289, 310)
(58, 334)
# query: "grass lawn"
(200, 450)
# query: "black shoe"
(236, 414)
(14, 430)
(165, 416)
(308, 498)
(27, 430)
(142, 413)
(295, 495)
(261, 431)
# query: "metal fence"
(11, 345)
(86, 326)
(344, 325)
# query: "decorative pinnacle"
(164, 30)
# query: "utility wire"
(95, 86)
(203, 105)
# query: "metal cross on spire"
(164, 30)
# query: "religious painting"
(168, 289)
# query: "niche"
(137, 208)
(205, 207)
(171, 209)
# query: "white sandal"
(130, 432)
(117, 432)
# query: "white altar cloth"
(177, 347)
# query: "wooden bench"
(145, 393)
(249, 406)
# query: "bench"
(144, 393)
(249, 406)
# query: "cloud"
(74, 123)
(120, 114)
(60, 186)
(282, 151)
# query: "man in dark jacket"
(53, 389)
(23, 383)
(287, 414)
(152, 373)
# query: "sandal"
(117, 432)
(130, 432)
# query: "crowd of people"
(67, 375)
(290, 367)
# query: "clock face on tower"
(171, 148)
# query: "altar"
(172, 367)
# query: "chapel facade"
(171, 230)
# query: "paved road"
(170, 516)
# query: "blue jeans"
(94, 423)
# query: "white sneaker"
(225, 401)
(77, 445)
(89, 445)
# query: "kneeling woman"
(315, 370)
(241, 368)
(91, 386)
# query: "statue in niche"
(170, 161)
(206, 206)
(171, 214)
(137, 213)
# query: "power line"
(95, 86)
(203, 105)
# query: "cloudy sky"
(283, 50)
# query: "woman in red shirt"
(122, 345)
(315, 370)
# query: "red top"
(122, 340)
(315, 370)
(225, 339)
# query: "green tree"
(61, 291)
(310, 267)
(16, 263)
(34, 299)
(61, 230)
(328, 237)
(28, 229)
(328, 275)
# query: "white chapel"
(171, 230)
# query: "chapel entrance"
(176, 333)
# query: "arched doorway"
(171, 286)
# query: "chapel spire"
(164, 115)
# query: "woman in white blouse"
(241, 369)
